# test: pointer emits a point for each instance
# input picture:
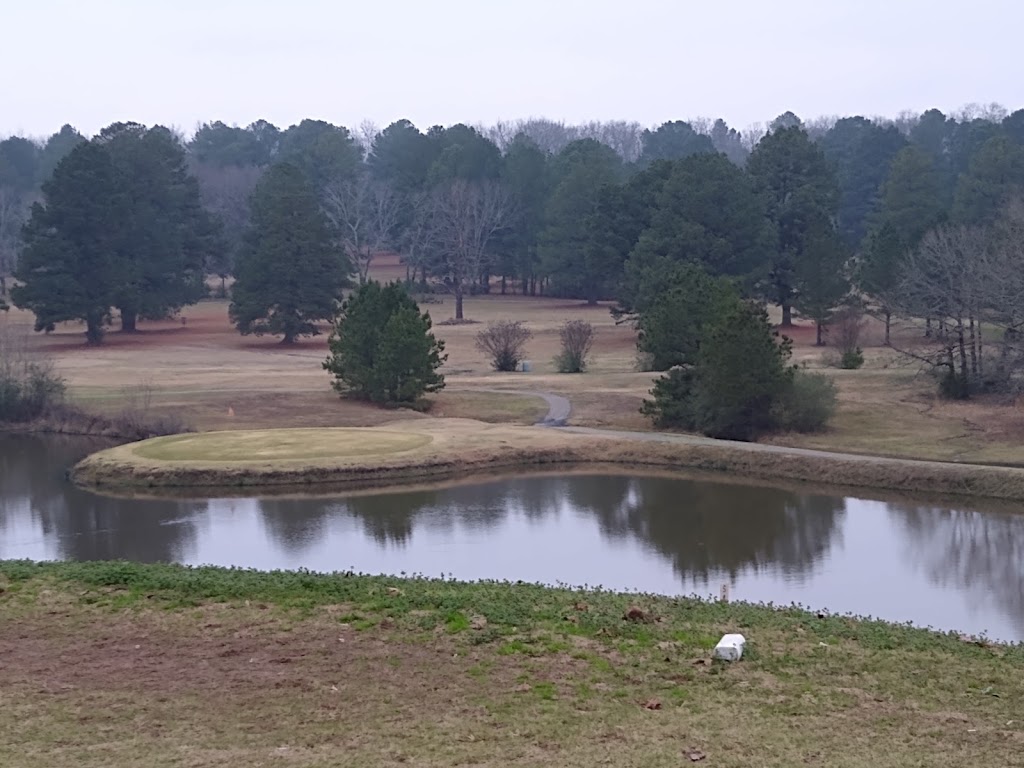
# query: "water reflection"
(75, 525)
(981, 554)
(713, 529)
(932, 564)
(707, 530)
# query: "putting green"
(280, 445)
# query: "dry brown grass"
(108, 676)
(213, 378)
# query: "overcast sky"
(181, 62)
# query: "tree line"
(801, 215)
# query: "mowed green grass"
(118, 664)
(281, 445)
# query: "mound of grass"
(281, 445)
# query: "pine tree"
(382, 348)
(289, 274)
(741, 372)
(165, 234)
(820, 274)
(791, 172)
(69, 264)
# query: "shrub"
(29, 386)
(577, 338)
(29, 393)
(852, 359)
(731, 391)
(741, 370)
(382, 348)
(847, 325)
(503, 343)
(672, 400)
(807, 404)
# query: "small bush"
(672, 403)
(27, 394)
(29, 385)
(577, 338)
(852, 359)
(953, 386)
(846, 328)
(503, 343)
(807, 404)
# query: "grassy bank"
(432, 449)
(115, 664)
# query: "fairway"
(281, 445)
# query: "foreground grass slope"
(115, 664)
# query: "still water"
(935, 564)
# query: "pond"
(950, 565)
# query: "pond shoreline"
(461, 448)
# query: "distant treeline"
(797, 214)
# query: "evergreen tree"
(56, 149)
(69, 266)
(707, 213)
(741, 373)
(799, 187)
(290, 274)
(820, 274)
(878, 270)
(382, 348)
(464, 153)
(672, 141)
(579, 264)
(323, 152)
(861, 153)
(672, 326)
(910, 203)
(165, 236)
(524, 174)
(994, 176)
(736, 383)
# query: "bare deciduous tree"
(465, 217)
(225, 191)
(846, 327)
(365, 214)
(13, 210)
(958, 279)
(752, 134)
(621, 135)
(365, 135)
(550, 135)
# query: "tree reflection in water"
(81, 525)
(707, 530)
(979, 552)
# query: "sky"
(94, 62)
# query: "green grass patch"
(286, 666)
(280, 445)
